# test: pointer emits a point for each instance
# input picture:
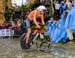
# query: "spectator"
(43, 2)
(62, 7)
(69, 4)
(70, 22)
(57, 6)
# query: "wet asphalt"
(10, 48)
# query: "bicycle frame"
(41, 34)
(38, 32)
(34, 36)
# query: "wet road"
(10, 48)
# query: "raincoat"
(62, 7)
(57, 31)
(70, 20)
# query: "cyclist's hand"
(45, 28)
(38, 27)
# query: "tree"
(26, 8)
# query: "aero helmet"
(41, 8)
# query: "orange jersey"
(34, 15)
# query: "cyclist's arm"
(35, 21)
(42, 19)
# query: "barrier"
(6, 32)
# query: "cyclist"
(32, 18)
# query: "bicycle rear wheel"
(22, 42)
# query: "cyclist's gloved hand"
(38, 27)
(45, 28)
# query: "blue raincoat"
(62, 35)
(57, 31)
(62, 7)
(70, 20)
(51, 27)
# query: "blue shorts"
(28, 23)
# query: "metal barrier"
(6, 33)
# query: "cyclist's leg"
(35, 31)
(28, 35)
(28, 30)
